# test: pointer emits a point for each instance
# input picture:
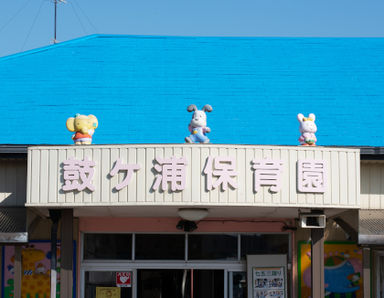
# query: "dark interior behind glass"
(264, 244)
(160, 247)
(212, 247)
(95, 279)
(108, 246)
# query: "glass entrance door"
(208, 283)
(103, 284)
(180, 283)
(237, 282)
(162, 283)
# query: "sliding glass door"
(179, 283)
(171, 265)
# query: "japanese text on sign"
(220, 173)
(268, 282)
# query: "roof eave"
(366, 152)
(13, 151)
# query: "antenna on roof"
(55, 23)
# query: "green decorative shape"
(8, 292)
(58, 290)
(333, 261)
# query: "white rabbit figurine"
(307, 130)
(198, 125)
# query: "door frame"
(134, 266)
(376, 269)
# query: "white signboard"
(267, 276)
(220, 175)
(268, 282)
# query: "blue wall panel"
(139, 88)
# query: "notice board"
(267, 276)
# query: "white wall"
(372, 185)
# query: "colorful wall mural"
(36, 273)
(343, 266)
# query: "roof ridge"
(64, 43)
(49, 47)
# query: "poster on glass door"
(268, 282)
(123, 279)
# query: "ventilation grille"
(371, 227)
(13, 220)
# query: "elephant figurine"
(84, 128)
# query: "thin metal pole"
(54, 38)
(55, 217)
(191, 283)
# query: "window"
(264, 244)
(108, 246)
(218, 247)
(160, 247)
(212, 247)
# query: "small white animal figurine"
(307, 130)
(198, 125)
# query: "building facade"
(153, 217)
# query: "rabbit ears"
(301, 118)
(206, 108)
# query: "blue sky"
(28, 24)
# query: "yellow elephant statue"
(84, 127)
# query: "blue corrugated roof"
(139, 88)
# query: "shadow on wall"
(13, 182)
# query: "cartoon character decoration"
(342, 276)
(35, 274)
(35, 280)
(84, 127)
(307, 130)
(198, 125)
